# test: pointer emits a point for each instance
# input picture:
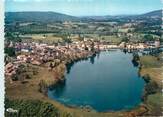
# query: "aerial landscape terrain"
(59, 65)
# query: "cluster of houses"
(142, 46)
(10, 69)
(38, 53)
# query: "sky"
(85, 7)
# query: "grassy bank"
(152, 67)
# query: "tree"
(31, 108)
(9, 36)
(148, 37)
(21, 73)
(10, 51)
(125, 39)
(13, 37)
(129, 31)
(67, 39)
(43, 87)
(81, 38)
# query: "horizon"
(81, 8)
(84, 15)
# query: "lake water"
(106, 82)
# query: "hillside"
(38, 17)
(46, 17)
(154, 14)
(157, 13)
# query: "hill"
(157, 13)
(38, 17)
(154, 14)
(46, 17)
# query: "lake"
(108, 81)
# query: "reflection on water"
(92, 58)
(69, 66)
(59, 88)
(135, 63)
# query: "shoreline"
(124, 111)
(90, 108)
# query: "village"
(42, 53)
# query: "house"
(10, 69)
(157, 43)
(140, 46)
(36, 62)
(122, 44)
(24, 50)
(21, 58)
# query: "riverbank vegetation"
(152, 70)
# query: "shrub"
(31, 108)
(43, 87)
(146, 78)
(150, 88)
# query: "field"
(125, 30)
(112, 39)
(49, 38)
(53, 38)
(150, 62)
(155, 101)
